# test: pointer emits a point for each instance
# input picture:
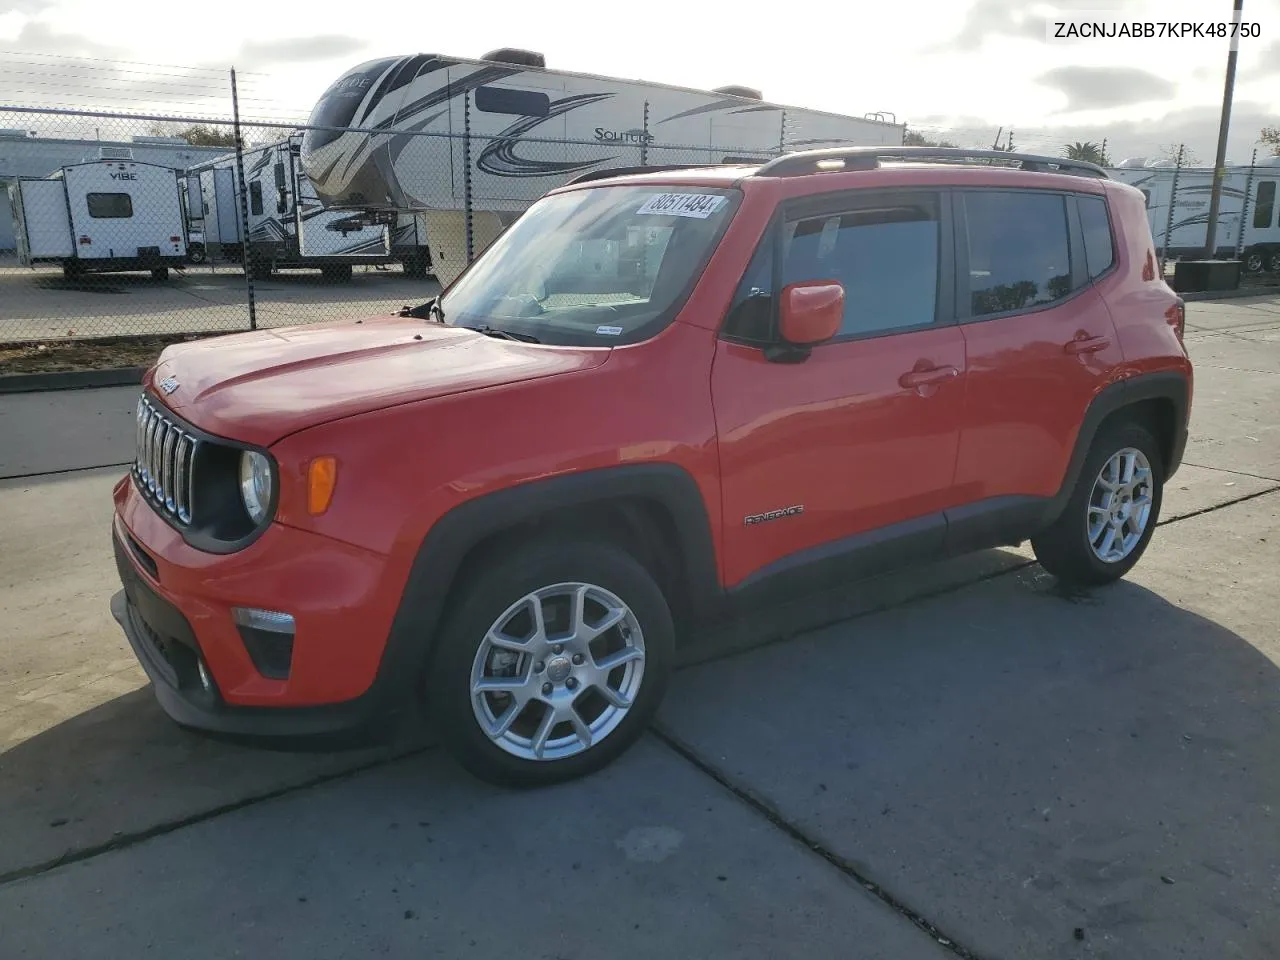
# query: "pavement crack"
(1238, 473)
(774, 816)
(1221, 506)
(64, 470)
(126, 840)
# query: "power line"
(136, 63)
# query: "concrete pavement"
(1023, 771)
(41, 305)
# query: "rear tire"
(1098, 538)
(160, 273)
(1254, 261)
(196, 253)
(1273, 260)
(551, 672)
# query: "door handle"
(920, 378)
(1086, 345)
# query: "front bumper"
(175, 610)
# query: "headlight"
(255, 484)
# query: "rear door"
(1039, 340)
(855, 446)
(42, 225)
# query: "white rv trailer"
(1248, 213)
(431, 135)
(288, 227)
(101, 216)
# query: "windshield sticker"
(609, 331)
(698, 205)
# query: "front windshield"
(601, 266)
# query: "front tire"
(551, 664)
(1113, 510)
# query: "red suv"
(658, 399)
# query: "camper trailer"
(427, 138)
(288, 227)
(101, 216)
(1248, 212)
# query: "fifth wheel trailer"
(102, 216)
(428, 138)
(1248, 213)
(288, 227)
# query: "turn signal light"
(322, 477)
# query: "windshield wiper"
(430, 310)
(489, 331)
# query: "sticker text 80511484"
(699, 205)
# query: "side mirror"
(811, 312)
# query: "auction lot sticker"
(699, 205)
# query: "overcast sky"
(958, 67)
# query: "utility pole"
(1219, 164)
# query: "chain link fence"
(154, 228)
(117, 225)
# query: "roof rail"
(657, 168)
(868, 158)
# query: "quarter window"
(1019, 250)
(110, 206)
(1099, 253)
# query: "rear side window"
(1019, 250)
(1266, 204)
(110, 206)
(1099, 253)
(886, 256)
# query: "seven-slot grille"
(165, 455)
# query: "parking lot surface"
(40, 304)
(962, 760)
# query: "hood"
(261, 386)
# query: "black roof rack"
(657, 168)
(868, 158)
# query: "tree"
(198, 135)
(1088, 151)
(1271, 137)
(207, 135)
(1170, 152)
(913, 139)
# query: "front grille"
(163, 465)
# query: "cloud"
(1265, 63)
(38, 37)
(999, 18)
(1197, 127)
(990, 18)
(256, 54)
(52, 68)
(23, 6)
(1099, 88)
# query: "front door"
(855, 446)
